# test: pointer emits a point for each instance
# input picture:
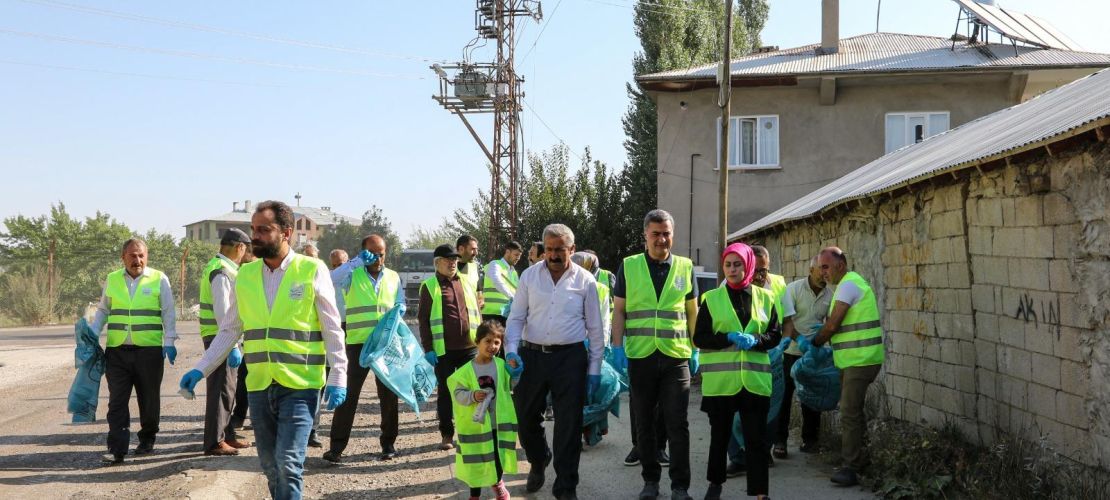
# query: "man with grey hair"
(555, 310)
(655, 306)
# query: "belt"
(547, 348)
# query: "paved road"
(43, 456)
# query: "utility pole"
(181, 281)
(724, 100)
(493, 88)
(50, 279)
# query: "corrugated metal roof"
(1048, 115)
(889, 52)
(317, 215)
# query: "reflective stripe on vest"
(726, 371)
(656, 322)
(139, 316)
(859, 340)
(494, 299)
(435, 318)
(478, 442)
(206, 315)
(282, 344)
(365, 305)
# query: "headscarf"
(585, 260)
(747, 257)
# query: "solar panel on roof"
(1018, 26)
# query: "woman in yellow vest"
(486, 429)
(736, 325)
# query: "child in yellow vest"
(485, 419)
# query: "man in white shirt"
(554, 312)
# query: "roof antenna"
(877, 11)
(298, 197)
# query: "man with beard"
(284, 308)
(137, 306)
(470, 270)
(499, 284)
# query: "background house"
(310, 223)
(806, 116)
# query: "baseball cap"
(445, 250)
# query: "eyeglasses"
(761, 270)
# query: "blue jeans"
(282, 419)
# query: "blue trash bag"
(89, 361)
(605, 400)
(622, 376)
(778, 387)
(816, 379)
(397, 359)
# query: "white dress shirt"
(165, 300)
(221, 287)
(493, 270)
(231, 330)
(549, 313)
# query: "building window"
(903, 129)
(753, 142)
(300, 224)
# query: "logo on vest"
(146, 291)
(680, 283)
(296, 291)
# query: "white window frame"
(734, 128)
(907, 115)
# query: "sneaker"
(388, 453)
(779, 451)
(333, 456)
(111, 459)
(633, 458)
(501, 492)
(144, 448)
(313, 441)
(735, 469)
(663, 458)
(650, 490)
(809, 448)
(845, 477)
(680, 494)
(714, 492)
(446, 444)
(549, 414)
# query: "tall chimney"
(246, 205)
(234, 206)
(830, 26)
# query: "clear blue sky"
(160, 140)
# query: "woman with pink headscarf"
(736, 326)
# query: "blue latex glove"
(785, 343)
(367, 257)
(431, 358)
(189, 381)
(234, 358)
(695, 362)
(744, 341)
(593, 382)
(619, 358)
(169, 352)
(335, 396)
(804, 344)
(514, 358)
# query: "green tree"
(344, 236)
(430, 238)
(674, 34)
(348, 237)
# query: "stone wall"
(995, 292)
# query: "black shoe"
(535, 480)
(809, 448)
(111, 458)
(845, 477)
(714, 492)
(333, 456)
(735, 469)
(313, 442)
(549, 414)
(770, 461)
(566, 496)
(663, 458)
(388, 453)
(779, 451)
(144, 448)
(681, 494)
(650, 490)
(633, 458)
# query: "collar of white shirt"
(146, 272)
(229, 261)
(284, 263)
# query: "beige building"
(806, 116)
(309, 225)
(987, 249)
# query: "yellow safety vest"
(282, 344)
(606, 277)
(366, 306)
(206, 315)
(495, 300)
(726, 371)
(652, 322)
(859, 340)
(778, 288)
(479, 441)
(470, 277)
(141, 315)
(435, 319)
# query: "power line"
(141, 75)
(223, 31)
(549, 129)
(545, 24)
(197, 55)
(654, 8)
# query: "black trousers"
(660, 428)
(664, 382)
(219, 403)
(138, 368)
(344, 417)
(445, 366)
(811, 419)
(562, 374)
(753, 420)
(239, 413)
